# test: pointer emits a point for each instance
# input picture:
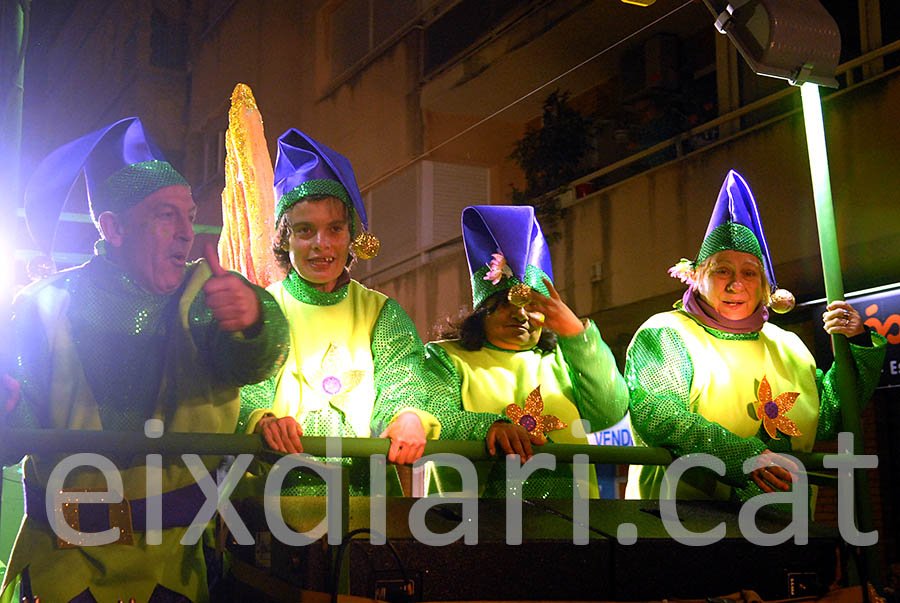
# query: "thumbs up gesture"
(232, 301)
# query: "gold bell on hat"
(366, 245)
(519, 295)
(782, 301)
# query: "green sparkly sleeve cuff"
(445, 400)
(242, 359)
(256, 401)
(868, 361)
(600, 391)
(659, 372)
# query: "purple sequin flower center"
(771, 410)
(528, 422)
(331, 385)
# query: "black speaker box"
(548, 565)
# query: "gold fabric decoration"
(119, 517)
(248, 203)
(532, 418)
(771, 412)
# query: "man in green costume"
(134, 334)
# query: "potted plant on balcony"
(550, 156)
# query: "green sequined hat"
(505, 247)
(121, 166)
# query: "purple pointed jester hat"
(735, 225)
(505, 247)
(305, 167)
(121, 166)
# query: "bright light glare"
(7, 269)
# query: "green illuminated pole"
(834, 290)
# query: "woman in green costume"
(356, 362)
(714, 376)
(523, 369)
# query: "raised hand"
(232, 301)
(557, 315)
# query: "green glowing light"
(821, 184)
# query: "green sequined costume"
(96, 352)
(356, 362)
(694, 389)
(578, 380)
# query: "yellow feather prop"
(248, 204)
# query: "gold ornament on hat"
(782, 301)
(519, 295)
(366, 245)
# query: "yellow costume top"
(696, 389)
(579, 384)
(355, 363)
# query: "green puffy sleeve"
(445, 400)
(600, 391)
(398, 358)
(249, 356)
(255, 397)
(867, 361)
(659, 372)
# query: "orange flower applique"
(531, 418)
(771, 412)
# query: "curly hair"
(281, 244)
(468, 327)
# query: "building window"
(358, 27)
(460, 27)
(168, 41)
(213, 155)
